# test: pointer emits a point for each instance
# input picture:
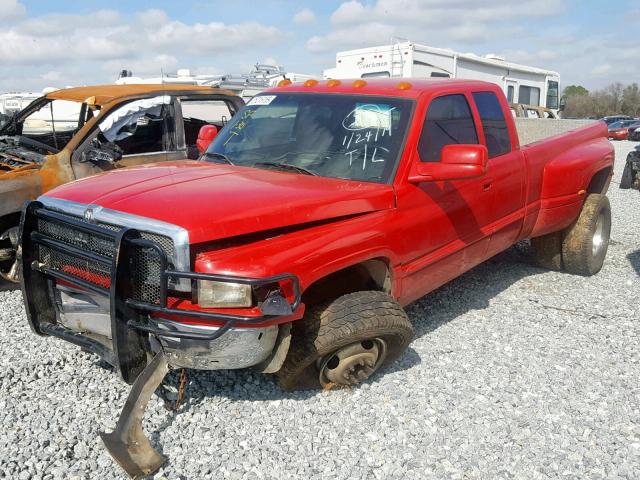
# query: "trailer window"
(529, 95)
(440, 75)
(376, 75)
(494, 125)
(552, 94)
(448, 121)
(510, 92)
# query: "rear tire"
(585, 243)
(342, 342)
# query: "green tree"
(575, 90)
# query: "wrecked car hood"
(215, 201)
(14, 156)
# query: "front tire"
(585, 243)
(343, 342)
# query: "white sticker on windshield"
(261, 100)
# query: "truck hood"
(213, 201)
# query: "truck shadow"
(634, 260)
(472, 291)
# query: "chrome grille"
(65, 233)
(145, 267)
(92, 272)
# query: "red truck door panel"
(506, 174)
(447, 221)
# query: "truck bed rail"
(532, 130)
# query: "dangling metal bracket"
(128, 444)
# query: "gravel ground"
(515, 372)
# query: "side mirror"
(457, 162)
(205, 136)
(563, 104)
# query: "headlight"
(213, 294)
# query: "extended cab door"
(506, 173)
(446, 222)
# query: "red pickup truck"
(314, 216)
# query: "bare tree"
(615, 99)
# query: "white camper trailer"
(15, 101)
(521, 84)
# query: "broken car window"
(54, 123)
(354, 137)
(141, 126)
(197, 113)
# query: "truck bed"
(532, 130)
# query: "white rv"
(15, 101)
(521, 84)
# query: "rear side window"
(494, 125)
(448, 121)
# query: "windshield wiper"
(285, 166)
(217, 155)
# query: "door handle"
(486, 186)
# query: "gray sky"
(44, 43)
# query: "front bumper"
(136, 325)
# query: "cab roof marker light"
(333, 83)
(403, 86)
(359, 83)
(284, 83)
(312, 82)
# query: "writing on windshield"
(354, 137)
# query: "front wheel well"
(600, 181)
(371, 274)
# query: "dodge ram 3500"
(292, 245)
(77, 132)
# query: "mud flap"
(128, 444)
(627, 179)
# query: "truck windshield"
(355, 137)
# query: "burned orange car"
(77, 132)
